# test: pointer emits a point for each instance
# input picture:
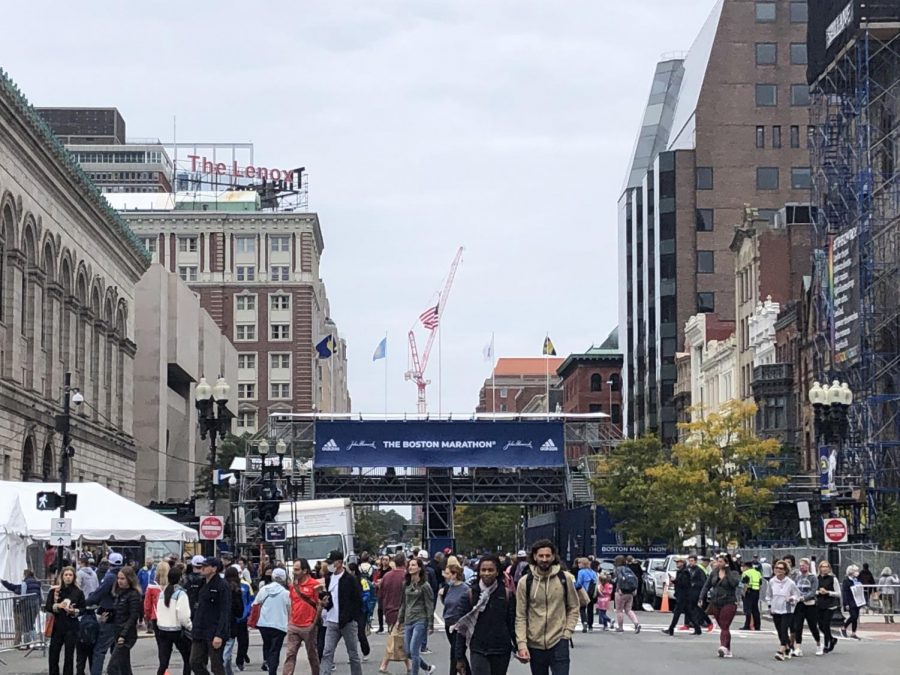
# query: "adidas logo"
(331, 446)
(549, 446)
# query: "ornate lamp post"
(214, 421)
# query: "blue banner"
(522, 444)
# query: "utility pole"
(63, 426)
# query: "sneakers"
(854, 636)
(620, 629)
(797, 652)
(667, 632)
(684, 628)
(584, 628)
(425, 651)
(843, 632)
(710, 628)
(832, 645)
(820, 649)
(431, 669)
(722, 651)
(779, 656)
(590, 629)
(637, 628)
(728, 654)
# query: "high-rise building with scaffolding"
(854, 73)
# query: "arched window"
(615, 382)
(28, 459)
(47, 464)
(596, 382)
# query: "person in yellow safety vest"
(752, 580)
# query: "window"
(246, 421)
(706, 262)
(798, 54)
(246, 361)
(280, 331)
(704, 178)
(766, 53)
(245, 303)
(280, 273)
(616, 413)
(280, 390)
(799, 95)
(504, 392)
(760, 137)
(767, 178)
(279, 302)
(795, 136)
(776, 136)
(245, 244)
(765, 12)
(704, 220)
(188, 272)
(245, 332)
(246, 272)
(280, 243)
(766, 95)
(706, 302)
(246, 391)
(596, 382)
(502, 407)
(799, 12)
(801, 178)
(149, 244)
(187, 244)
(810, 135)
(280, 361)
(595, 408)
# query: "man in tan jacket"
(546, 612)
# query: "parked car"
(662, 571)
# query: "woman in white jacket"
(173, 623)
(781, 596)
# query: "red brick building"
(516, 382)
(592, 383)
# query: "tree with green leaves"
(492, 528)
(886, 530)
(374, 528)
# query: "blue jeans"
(413, 639)
(554, 660)
(226, 655)
(101, 647)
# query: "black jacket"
(192, 582)
(213, 618)
(495, 630)
(63, 622)
(32, 593)
(682, 584)
(832, 602)
(126, 613)
(349, 598)
(698, 579)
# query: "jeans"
(554, 660)
(226, 655)
(272, 640)
(751, 609)
(603, 618)
(63, 639)
(166, 640)
(809, 614)
(587, 615)
(333, 635)
(413, 637)
(307, 637)
(725, 615)
(490, 664)
(101, 647)
(201, 651)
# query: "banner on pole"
(508, 444)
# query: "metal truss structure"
(855, 152)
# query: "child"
(604, 593)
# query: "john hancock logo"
(331, 446)
(549, 446)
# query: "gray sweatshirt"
(807, 584)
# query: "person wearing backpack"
(626, 584)
(546, 612)
(587, 581)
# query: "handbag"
(255, 611)
(48, 626)
(393, 649)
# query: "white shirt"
(333, 614)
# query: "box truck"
(316, 527)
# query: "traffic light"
(50, 501)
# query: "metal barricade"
(882, 600)
(21, 622)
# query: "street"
(650, 651)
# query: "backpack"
(592, 590)
(626, 581)
(88, 629)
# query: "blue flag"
(380, 350)
(326, 347)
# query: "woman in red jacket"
(154, 588)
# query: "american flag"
(429, 317)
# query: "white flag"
(488, 350)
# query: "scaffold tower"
(855, 153)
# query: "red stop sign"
(835, 530)
(212, 527)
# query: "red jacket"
(303, 613)
(150, 599)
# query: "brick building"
(257, 274)
(723, 126)
(592, 381)
(69, 265)
(516, 382)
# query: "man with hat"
(682, 598)
(103, 598)
(343, 604)
(211, 620)
(193, 581)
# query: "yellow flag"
(549, 349)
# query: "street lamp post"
(214, 421)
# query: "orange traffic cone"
(664, 605)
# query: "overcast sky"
(501, 126)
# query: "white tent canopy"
(13, 536)
(101, 515)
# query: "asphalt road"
(648, 652)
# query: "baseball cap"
(115, 559)
(334, 556)
(423, 555)
(522, 553)
(279, 573)
(448, 551)
(207, 562)
(198, 560)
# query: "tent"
(101, 515)
(14, 538)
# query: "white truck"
(318, 526)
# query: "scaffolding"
(855, 154)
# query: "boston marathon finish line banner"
(526, 444)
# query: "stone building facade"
(68, 269)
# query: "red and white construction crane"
(430, 319)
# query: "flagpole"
(493, 378)
(331, 368)
(547, 369)
(440, 372)
(385, 380)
